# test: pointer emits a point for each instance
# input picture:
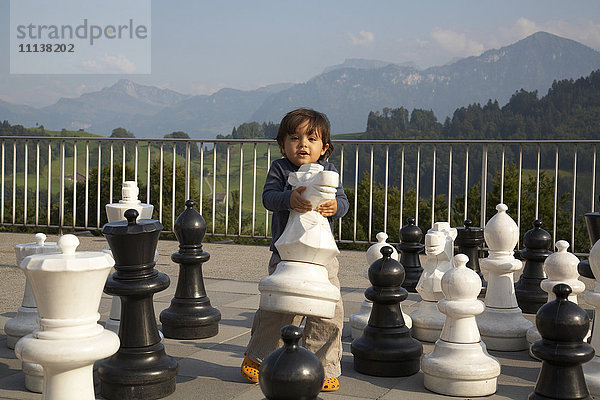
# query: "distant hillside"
(346, 93)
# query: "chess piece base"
(427, 322)
(400, 354)
(503, 329)
(360, 319)
(591, 370)
(68, 364)
(462, 370)
(138, 373)
(308, 293)
(34, 377)
(21, 325)
(190, 319)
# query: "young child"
(303, 138)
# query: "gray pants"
(322, 336)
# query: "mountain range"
(346, 93)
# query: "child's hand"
(328, 208)
(297, 203)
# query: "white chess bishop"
(116, 212)
(460, 364)
(502, 325)
(26, 320)
(360, 319)
(560, 267)
(67, 287)
(300, 283)
(427, 320)
(591, 369)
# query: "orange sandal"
(249, 369)
(330, 385)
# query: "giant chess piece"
(26, 320)
(410, 247)
(469, 241)
(563, 325)
(291, 372)
(460, 364)
(530, 295)
(386, 347)
(428, 321)
(300, 283)
(592, 297)
(67, 287)
(502, 325)
(140, 369)
(190, 315)
(116, 212)
(561, 267)
(360, 319)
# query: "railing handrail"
(344, 141)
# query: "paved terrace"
(209, 368)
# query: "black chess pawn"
(592, 222)
(537, 243)
(469, 240)
(563, 325)
(386, 347)
(140, 369)
(190, 315)
(291, 372)
(409, 248)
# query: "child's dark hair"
(317, 122)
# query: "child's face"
(303, 147)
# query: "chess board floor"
(209, 368)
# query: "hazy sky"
(201, 46)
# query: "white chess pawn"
(460, 364)
(67, 287)
(591, 369)
(26, 320)
(502, 325)
(560, 267)
(116, 212)
(300, 283)
(427, 320)
(360, 319)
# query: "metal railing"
(65, 182)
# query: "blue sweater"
(277, 192)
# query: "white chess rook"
(68, 287)
(427, 320)
(502, 325)
(300, 283)
(116, 212)
(560, 267)
(460, 364)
